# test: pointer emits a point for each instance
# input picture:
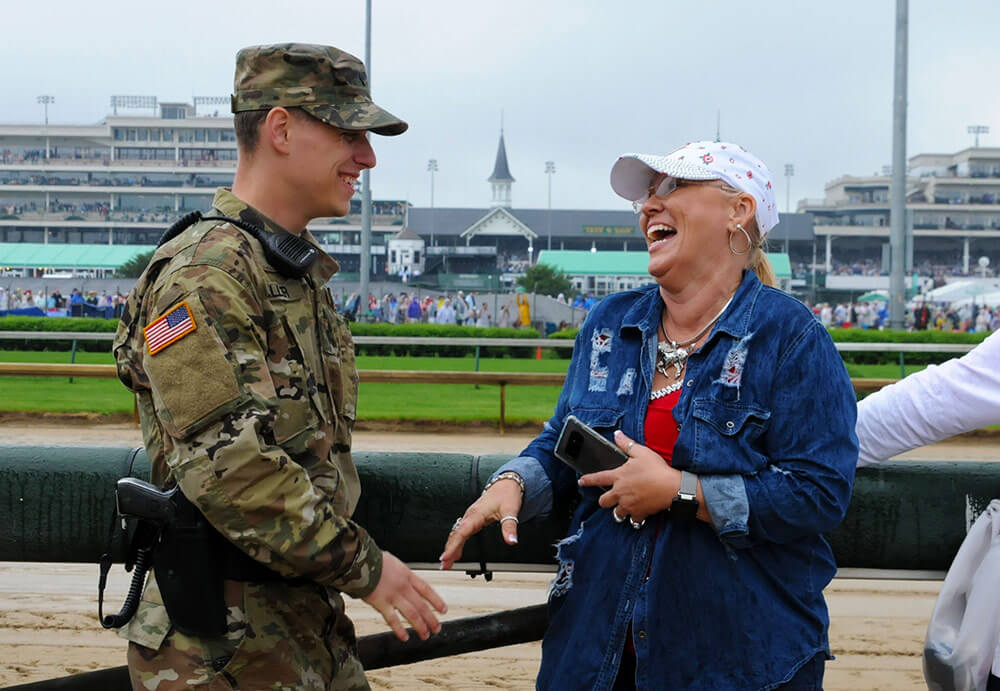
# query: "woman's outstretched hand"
(643, 486)
(502, 501)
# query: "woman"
(483, 317)
(699, 563)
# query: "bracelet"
(506, 475)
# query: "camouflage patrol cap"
(324, 81)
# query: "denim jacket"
(766, 420)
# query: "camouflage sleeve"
(214, 398)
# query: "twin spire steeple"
(501, 179)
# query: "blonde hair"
(757, 260)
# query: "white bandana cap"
(632, 174)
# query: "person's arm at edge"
(960, 395)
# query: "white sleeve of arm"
(958, 396)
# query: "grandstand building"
(471, 244)
(953, 209)
(65, 189)
(124, 180)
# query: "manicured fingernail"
(619, 433)
(512, 539)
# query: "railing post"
(503, 405)
(476, 386)
(902, 365)
(72, 358)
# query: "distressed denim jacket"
(766, 420)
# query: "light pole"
(550, 170)
(789, 172)
(432, 167)
(366, 188)
(45, 100)
(897, 197)
(978, 130)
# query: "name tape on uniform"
(170, 328)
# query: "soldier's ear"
(275, 130)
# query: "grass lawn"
(449, 402)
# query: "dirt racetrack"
(48, 622)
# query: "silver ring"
(628, 449)
(509, 518)
(636, 526)
(614, 513)
(458, 522)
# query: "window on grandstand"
(227, 136)
(208, 154)
(190, 202)
(145, 202)
(143, 154)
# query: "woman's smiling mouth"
(659, 232)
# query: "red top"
(661, 435)
(661, 428)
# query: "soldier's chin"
(338, 209)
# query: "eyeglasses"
(661, 189)
(667, 185)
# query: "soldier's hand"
(400, 590)
(502, 500)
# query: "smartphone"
(586, 451)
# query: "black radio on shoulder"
(289, 254)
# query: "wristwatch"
(685, 504)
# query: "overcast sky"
(796, 81)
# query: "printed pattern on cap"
(706, 160)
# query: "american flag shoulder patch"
(174, 325)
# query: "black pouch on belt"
(189, 572)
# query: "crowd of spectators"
(513, 310)
(512, 263)
(38, 155)
(873, 267)
(108, 180)
(923, 317)
(76, 304)
(462, 309)
(100, 211)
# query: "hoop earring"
(743, 230)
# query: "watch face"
(683, 508)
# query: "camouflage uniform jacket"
(251, 412)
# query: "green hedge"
(887, 336)
(873, 336)
(70, 324)
(438, 331)
(565, 335)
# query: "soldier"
(247, 390)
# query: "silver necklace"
(670, 353)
